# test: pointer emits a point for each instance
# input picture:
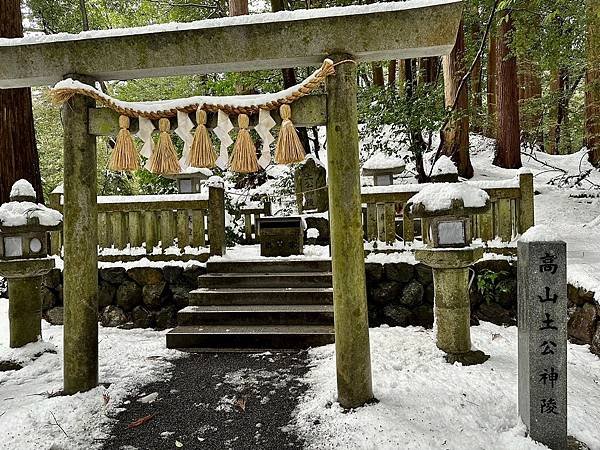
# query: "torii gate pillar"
(353, 355)
(80, 230)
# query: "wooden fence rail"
(511, 213)
(251, 216)
(154, 220)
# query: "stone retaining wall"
(399, 294)
(141, 297)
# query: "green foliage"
(489, 284)
(392, 119)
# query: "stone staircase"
(258, 305)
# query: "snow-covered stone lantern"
(24, 260)
(444, 171)
(448, 207)
(190, 180)
(383, 168)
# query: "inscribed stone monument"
(310, 182)
(542, 303)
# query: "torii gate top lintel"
(375, 32)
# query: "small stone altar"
(310, 181)
(281, 236)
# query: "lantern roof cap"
(448, 199)
(28, 215)
(22, 190)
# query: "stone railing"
(176, 220)
(511, 213)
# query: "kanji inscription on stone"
(542, 310)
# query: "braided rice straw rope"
(66, 89)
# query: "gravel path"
(217, 401)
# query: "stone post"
(353, 357)
(80, 232)
(24, 278)
(216, 220)
(542, 317)
(24, 310)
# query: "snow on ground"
(569, 210)
(30, 420)
(426, 403)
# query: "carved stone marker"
(310, 181)
(542, 303)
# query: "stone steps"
(256, 315)
(261, 296)
(258, 305)
(269, 266)
(265, 280)
(249, 337)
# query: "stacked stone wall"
(399, 294)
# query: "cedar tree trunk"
(508, 145)
(456, 133)
(18, 149)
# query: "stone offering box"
(281, 236)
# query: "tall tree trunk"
(392, 71)
(378, 79)
(85, 23)
(416, 138)
(238, 8)
(492, 81)
(476, 87)
(289, 80)
(430, 69)
(456, 133)
(592, 83)
(553, 127)
(508, 145)
(401, 75)
(530, 92)
(558, 136)
(18, 149)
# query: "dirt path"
(217, 401)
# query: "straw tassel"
(124, 156)
(202, 152)
(243, 158)
(164, 159)
(289, 148)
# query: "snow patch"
(22, 188)
(540, 233)
(15, 214)
(440, 196)
(443, 166)
(381, 161)
(425, 403)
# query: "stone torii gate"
(375, 32)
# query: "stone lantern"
(448, 208)
(383, 168)
(24, 259)
(190, 180)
